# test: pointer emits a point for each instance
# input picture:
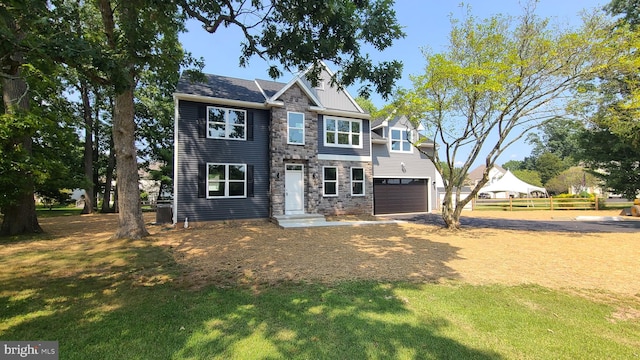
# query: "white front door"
(294, 189)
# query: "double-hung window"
(226, 180)
(295, 128)
(330, 181)
(357, 181)
(401, 140)
(223, 123)
(342, 132)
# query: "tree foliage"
(611, 102)
(559, 137)
(529, 176)
(575, 179)
(499, 78)
(297, 33)
(37, 133)
(513, 165)
(613, 159)
(121, 45)
(630, 9)
(549, 165)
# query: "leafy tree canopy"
(297, 33)
(613, 159)
(575, 179)
(513, 165)
(529, 176)
(499, 78)
(558, 137)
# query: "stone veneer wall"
(344, 203)
(282, 154)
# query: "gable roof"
(330, 96)
(222, 87)
(379, 122)
(390, 122)
(269, 87)
(264, 93)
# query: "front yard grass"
(107, 299)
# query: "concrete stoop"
(300, 220)
(315, 220)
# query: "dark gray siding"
(194, 150)
(332, 150)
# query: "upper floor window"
(342, 132)
(357, 181)
(225, 123)
(295, 128)
(226, 180)
(401, 140)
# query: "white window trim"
(226, 181)
(402, 140)
(324, 133)
(227, 125)
(358, 181)
(303, 128)
(324, 194)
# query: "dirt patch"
(261, 253)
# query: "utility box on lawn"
(164, 213)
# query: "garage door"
(395, 196)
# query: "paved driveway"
(564, 225)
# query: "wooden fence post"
(551, 202)
(510, 203)
(596, 197)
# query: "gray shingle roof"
(270, 87)
(375, 136)
(222, 87)
(376, 122)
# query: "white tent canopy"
(510, 183)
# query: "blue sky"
(425, 22)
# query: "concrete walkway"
(338, 223)
(316, 220)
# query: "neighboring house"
(260, 149)
(404, 179)
(495, 174)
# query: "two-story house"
(260, 149)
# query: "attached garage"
(396, 196)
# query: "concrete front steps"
(300, 220)
(314, 220)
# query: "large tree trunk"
(106, 200)
(450, 213)
(96, 152)
(19, 217)
(88, 149)
(130, 221)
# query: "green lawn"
(57, 211)
(123, 300)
